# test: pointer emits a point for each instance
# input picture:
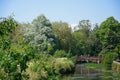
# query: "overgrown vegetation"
(47, 67)
(108, 60)
(43, 50)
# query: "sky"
(70, 11)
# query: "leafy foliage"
(14, 61)
(22, 47)
(47, 67)
(108, 60)
(62, 65)
(117, 49)
(109, 34)
(63, 35)
(81, 38)
(62, 53)
(40, 35)
(13, 56)
(7, 25)
(85, 26)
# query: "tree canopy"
(28, 50)
(40, 35)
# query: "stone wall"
(116, 66)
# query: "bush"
(13, 61)
(46, 67)
(36, 71)
(41, 68)
(62, 53)
(117, 49)
(63, 65)
(109, 57)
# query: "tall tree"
(63, 34)
(82, 37)
(93, 42)
(7, 26)
(13, 56)
(40, 35)
(109, 34)
(85, 26)
(79, 43)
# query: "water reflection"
(84, 73)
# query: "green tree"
(13, 56)
(17, 34)
(79, 44)
(109, 34)
(63, 35)
(93, 42)
(7, 26)
(81, 37)
(108, 60)
(85, 26)
(40, 35)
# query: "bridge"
(88, 59)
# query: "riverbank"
(99, 67)
(116, 66)
(90, 71)
(94, 65)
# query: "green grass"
(94, 65)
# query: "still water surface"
(84, 73)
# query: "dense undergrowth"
(48, 67)
(42, 50)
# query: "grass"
(99, 66)
(94, 65)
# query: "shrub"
(109, 57)
(117, 49)
(62, 65)
(60, 53)
(46, 67)
(36, 71)
(41, 68)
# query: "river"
(82, 72)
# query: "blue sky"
(71, 11)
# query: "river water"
(84, 73)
